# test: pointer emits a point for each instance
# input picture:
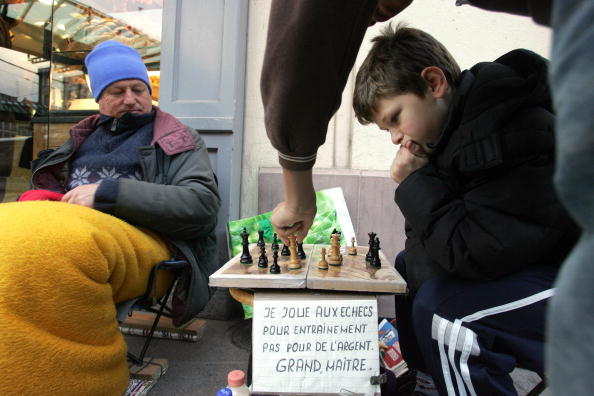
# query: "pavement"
(200, 368)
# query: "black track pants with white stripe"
(472, 334)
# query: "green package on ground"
(331, 215)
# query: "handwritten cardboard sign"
(315, 343)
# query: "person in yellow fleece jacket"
(131, 187)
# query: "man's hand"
(295, 215)
(292, 221)
(82, 195)
(386, 9)
(406, 162)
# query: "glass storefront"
(43, 86)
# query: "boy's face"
(411, 120)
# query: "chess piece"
(369, 254)
(334, 231)
(376, 262)
(263, 260)
(323, 264)
(352, 249)
(261, 238)
(294, 260)
(246, 257)
(300, 251)
(285, 251)
(335, 258)
(274, 242)
(275, 268)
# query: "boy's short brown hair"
(394, 65)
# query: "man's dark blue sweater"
(110, 153)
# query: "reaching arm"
(295, 215)
(310, 50)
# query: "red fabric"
(40, 195)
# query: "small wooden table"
(355, 274)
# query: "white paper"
(342, 213)
(315, 343)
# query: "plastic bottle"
(224, 392)
(236, 382)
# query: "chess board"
(353, 275)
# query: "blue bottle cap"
(224, 392)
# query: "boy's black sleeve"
(501, 220)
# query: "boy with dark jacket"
(485, 230)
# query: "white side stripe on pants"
(442, 330)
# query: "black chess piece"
(275, 268)
(300, 251)
(369, 254)
(274, 242)
(285, 251)
(261, 238)
(263, 260)
(246, 257)
(376, 262)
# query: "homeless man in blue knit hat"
(137, 188)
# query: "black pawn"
(300, 251)
(285, 251)
(369, 254)
(274, 268)
(263, 260)
(274, 242)
(376, 262)
(246, 257)
(261, 238)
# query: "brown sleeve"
(539, 10)
(310, 50)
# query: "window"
(44, 91)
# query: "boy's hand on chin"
(406, 162)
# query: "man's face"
(412, 121)
(125, 96)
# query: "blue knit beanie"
(112, 61)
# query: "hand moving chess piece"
(275, 268)
(369, 254)
(352, 248)
(323, 264)
(294, 260)
(246, 257)
(335, 258)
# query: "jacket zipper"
(52, 163)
